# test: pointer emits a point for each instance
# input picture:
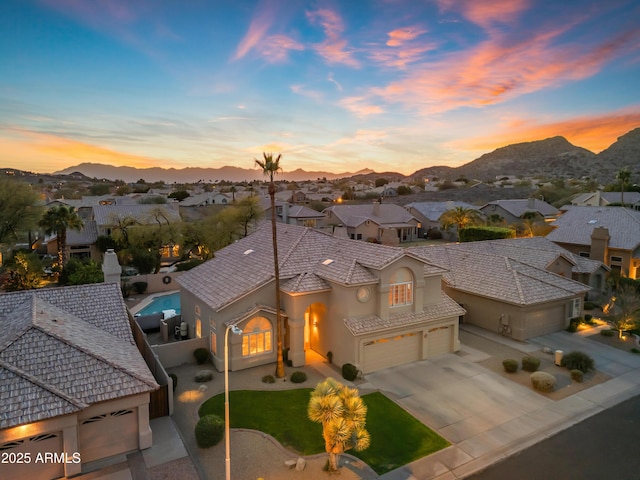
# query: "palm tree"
(460, 217)
(270, 166)
(623, 176)
(342, 414)
(58, 220)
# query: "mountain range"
(553, 157)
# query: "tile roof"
(446, 308)
(143, 213)
(499, 277)
(577, 223)
(305, 283)
(55, 361)
(382, 214)
(87, 236)
(300, 211)
(518, 207)
(434, 210)
(247, 264)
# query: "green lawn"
(397, 438)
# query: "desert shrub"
(268, 379)
(349, 372)
(577, 360)
(577, 375)
(298, 377)
(572, 328)
(530, 364)
(330, 356)
(434, 234)
(209, 431)
(510, 365)
(588, 318)
(543, 381)
(139, 287)
(203, 376)
(201, 354)
(589, 305)
(174, 377)
(635, 350)
(188, 265)
(607, 333)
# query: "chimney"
(111, 268)
(285, 212)
(531, 203)
(599, 244)
(376, 209)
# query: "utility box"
(558, 357)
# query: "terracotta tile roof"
(247, 264)
(500, 277)
(577, 223)
(446, 308)
(54, 362)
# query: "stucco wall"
(178, 353)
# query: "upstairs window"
(401, 288)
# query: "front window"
(401, 288)
(256, 338)
(574, 308)
(214, 343)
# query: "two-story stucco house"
(371, 305)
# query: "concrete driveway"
(487, 417)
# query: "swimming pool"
(170, 301)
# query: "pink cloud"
(276, 48)
(258, 29)
(334, 48)
(402, 48)
(400, 36)
(486, 13)
(360, 106)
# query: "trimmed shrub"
(543, 381)
(139, 287)
(349, 372)
(298, 377)
(174, 377)
(201, 354)
(330, 356)
(188, 265)
(572, 328)
(589, 306)
(635, 350)
(268, 379)
(530, 364)
(204, 376)
(577, 360)
(577, 375)
(588, 318)
(209, 431)
(510, 365)
(476, 233)
(607, 333)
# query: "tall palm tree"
(270, 167)
(623, 176)
(343, 415)
(460, 217)
(58, 220)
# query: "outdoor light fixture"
(227, 458)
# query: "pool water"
(163, 302)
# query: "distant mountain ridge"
(553, 157)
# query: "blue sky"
(336, 85)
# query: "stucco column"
(296, 342)
(110, 267)
(70, 446)
(145, 436)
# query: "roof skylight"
(247, 252)
(328, 261)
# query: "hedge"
(477, 233)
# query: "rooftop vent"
(247, 252)
(328, 261)
(591, 222)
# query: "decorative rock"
(547, 350)
(300, 464)
(204, 375)
(290, 463)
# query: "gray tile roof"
(143, 213)
(87, 236)
(247, 264)
(300, 211)
(518, 207)
(305, 283)
(499, 277)
(54, 361)
(576, 225)
(609, 197)
(446, 308)
(434, 210)
(387, 213)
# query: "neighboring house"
(72, 380)
(512, 211)
(370, 305)
(385, 223)
(80, 244)
(610, 235)
(301, 215)
(602, 199)
(429, 214)
(504, 295)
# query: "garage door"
(20, 450)
(439, 341)
(109, 434)
(391, 351)
(544, 321)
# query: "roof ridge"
(35, 380)
(515, 273)
(293, 247)
(524, 273)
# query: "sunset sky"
(332, 85)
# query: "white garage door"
(439, 341)
(29, 448)
(390, 351)
(544, 321)
(109, 434)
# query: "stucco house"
(602, 199)
(517, 291)
(430, 213)
(385, 223)
(512, 211)
(72, 380)
(371, 305)
(610, 235)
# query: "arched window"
(256, 337)
(401, 288)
